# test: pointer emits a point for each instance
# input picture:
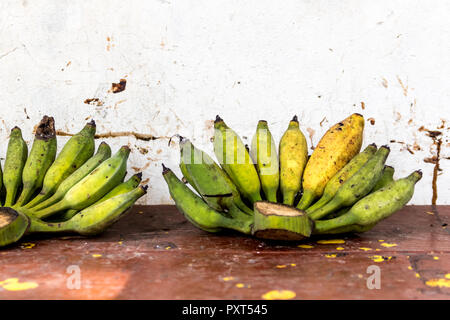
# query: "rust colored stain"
(137, 135)
(311, 134)
(142, 150)
(324, 119)
(94, 101)
(384, 82)
(119, 87)
(26, 114)
(363, 105)
(436, 136)
(371, 120)
(405, 88)
(406, 146)
(154, 253)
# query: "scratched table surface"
(154, 253)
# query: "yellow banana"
(92, 187)
(75, 152)
(264, 154)
(235, 160)
(16, 157)
(41, 157)
(337, 147)
(293, 158)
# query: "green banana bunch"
(210, 181)
(293, 158)
(92, 187)
(94, 219)
(197, 211)
(235, 160)
(90, 221)
(75, 152)
(264, 154)
(357, 186)
(339, 176)
(332, 187)
(16, 157)
(373, 208)
(41, 157)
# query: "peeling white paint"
(186, 61)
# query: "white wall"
(186, 61)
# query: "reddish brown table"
(153, 253)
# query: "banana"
(342, 176)
(264, 154)
(92, 187)
(293, 158)
(373, 208)
(357, 186)
(337, 147)
(197, 211)
(42, 155)
(103, 153)
(235, 160)
(94, 219)
(74, 154)
(210, 181)
(386, 178)
(16, 157)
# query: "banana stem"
(47, 212)
(41, 226)
(332, 205)
(319, 204)
(324, 226)
(288, 198)
(306, 200)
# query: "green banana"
(73, 155)
(124, 187)
(235, 160)
(264, 154)
(386, 178)
(373, 208)
(103, 153)
(94, 219)
(41, 157)
(293, 159)
(211, 182)
(197, 211)
(16, 157)
(92, 187)
(357, 186)
(342, 176)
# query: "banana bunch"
(288, 195)
(74, 191)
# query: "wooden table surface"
(153, 253)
